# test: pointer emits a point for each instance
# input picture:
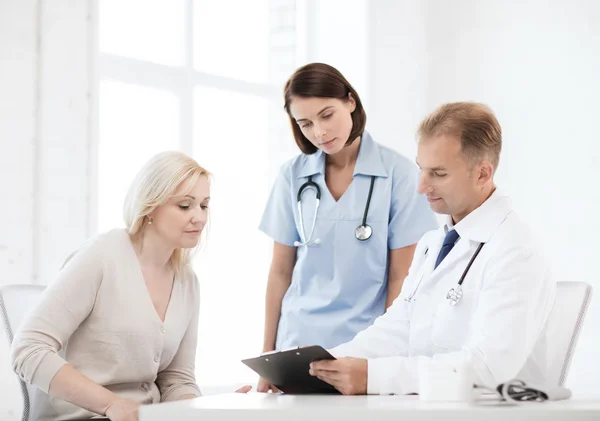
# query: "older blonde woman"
(118, 328)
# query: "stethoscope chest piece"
(454, 295)
(363, 232)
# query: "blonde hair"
(152, 187)
(473, 123)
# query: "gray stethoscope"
(454, 294)
(363, 231)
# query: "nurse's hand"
(244, 389)
(264, 386)
(348, 375)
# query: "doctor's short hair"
(319, 80)
(473, 123)
(153, 186)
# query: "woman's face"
(180, 221)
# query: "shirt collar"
(481, 223)
(368, 161)
(312, 164)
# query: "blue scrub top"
(339, 286)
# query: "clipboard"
(288, 370)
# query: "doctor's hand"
(264, 386)
(348, 375)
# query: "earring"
(149, 220)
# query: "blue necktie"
(449, 242)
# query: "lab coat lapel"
(427, 262)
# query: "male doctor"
(495, 320)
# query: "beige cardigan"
(98, 316)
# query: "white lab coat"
(499, 324)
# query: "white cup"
(446, 382)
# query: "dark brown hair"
(474, 124)
(322, 81)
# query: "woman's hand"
(264, 387)
(123, 410)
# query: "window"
(241, 50)
(150, 30)
(204, 77)
(136, 123)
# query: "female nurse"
(344, 215)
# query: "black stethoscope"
(454, 295)
(362, 233)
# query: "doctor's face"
(325, 122)
(448, 179)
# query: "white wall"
(64, 166)
(18, 71)
(397, 72)
(46, 65)
(18, 61)
(536, 63)
(338, 35)
(45, 68)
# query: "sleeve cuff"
(389, 376)
(374, 376)
(46, 371)
(176, 393)
(275, 237)
(339, 351)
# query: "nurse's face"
(325, 122)
(453, 185)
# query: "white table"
(277, 407)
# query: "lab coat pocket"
(452, 323)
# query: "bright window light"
(150, 30)
(231, 140)
(134, 123)
(235, 46)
